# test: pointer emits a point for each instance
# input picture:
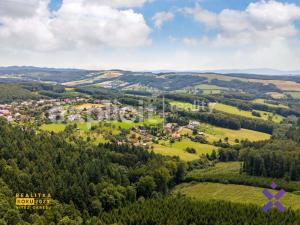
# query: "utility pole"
(164, 112)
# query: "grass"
(234, 193)
(229, 109)
(85, 126)
(59, 127)
(182, 105)
(210, 89)
(88, 106)
(128, 124)
(229, 172)
(69, 89)
(262, 101)
(55, 127)
(178, 149)
(276, 95)
(295, 95)
(213, 133)
(234, 110)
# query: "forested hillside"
(87, 180)
(182, 211)
(14, 92)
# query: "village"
(67, 110)
(138, 126)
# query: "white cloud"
(13, 8)
(204, 16)
(117, 3)
(74, 25)
(260, 22)
(161, 17)
(191, 42)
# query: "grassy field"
(276, 95)
(183, 105)
(229, 172)
(234, 110)
(262, 101)
(178, 149)
(88, 106)
(295, 95)
(210, 89)
(127, 124)
(69, 89)
(55, 127)
(58, 127)
(85, 126)
(234, 193)
(213, 133)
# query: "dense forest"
(182, 211)
(246, 86)
(87, 179)
(279, 158)
(226, 120)
(170, 82)
(15, 92)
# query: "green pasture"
(262, 101)
(233, 193)
(295, 94)
(178, 149)
(234, 110)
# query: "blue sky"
(151, 34)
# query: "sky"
(151, 34)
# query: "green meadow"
(178, 149)
(234, 193)
(213, 133)
(295, 94)
(86, 126)
(210, 89)
(234, 110)
(262, 101)
(230, 172)
(182, 105)
(55, 127)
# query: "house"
(176, 136)
(169, 127)
(192, 125)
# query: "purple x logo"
(277, 196)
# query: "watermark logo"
(33, 200)
(275, 197)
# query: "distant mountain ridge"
(258, 71)
(33, 68)
(270, 72)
